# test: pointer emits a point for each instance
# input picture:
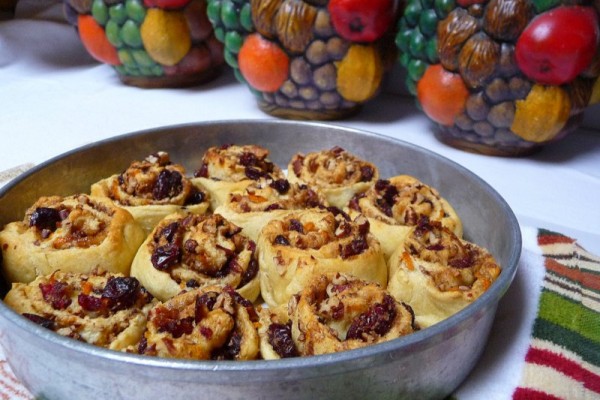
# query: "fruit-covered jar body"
(149, 43)
(308, 59)
(501, 77)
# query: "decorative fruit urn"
(311, 59)
(501, 77)
(150, 43)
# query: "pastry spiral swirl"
(267, 199)
(152, 189)
(339, 174)
(438, 273)
(192, 250)
(74, 234)
(213, 322)
(231, 168)
(107, 310)
(394, 205)
(310, 242)
(334, 312)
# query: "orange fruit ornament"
(442, 94)
(95, 42)
(263, 64)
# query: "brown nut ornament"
(501, 77)
(307, 59)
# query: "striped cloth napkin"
(545, 342)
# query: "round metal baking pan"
(430, 363)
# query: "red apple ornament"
(558, 45)
(360, 20)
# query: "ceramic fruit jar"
(311, 59)
(150, 43)
(501, 77)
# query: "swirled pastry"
(439, 274)
(335, 312)
(74, 234)
(393, 206)
(230, 168)
(267, 199)
(339, 174)
(306, 243)
(191, 250)
(151, 189)
(213, 322)
(107, 310)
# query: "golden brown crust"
(337, 312)
(310, 242)
(151, 189)
(396, 204)
(191, 250)
(213, 322)
(439, 274)
(230, 168)
(107, 310)
(339, 174)
(267, 199)
(74, 234)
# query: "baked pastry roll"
(230, 168)
(339, 174)
(192, 250)
(151, 189)
(267, 199)
(394, 205)
(74, 234)
(212, 322)
(438, 273)
(306, 243)
(107, 310)
(335, 312)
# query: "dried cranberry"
(274, 206)
(381, 185)
(192, 283)
(45, 218)
(390, 194)
(248, 159)
(168, 184)
(250, 272)
(142, 345)
(296, 225)
(281, 185)
(280, 337)
(166, 256)
(91, 303)
(435, 247)
(195, 197)
(202, 172)
(176, 327)
(355, 247)
(337, 211)
(364, 228)
(254, 173)
(344, 230)
(168, 232)
(384, 207)
(41, 321)
(204, 304)
(337, 150)
(337, 312)
(378, 320)
(121, 292)
(463, 262)
(297, 165)
(354, 202)
(282, 240)
(231, 349)
(366, 173)
(57, 294)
